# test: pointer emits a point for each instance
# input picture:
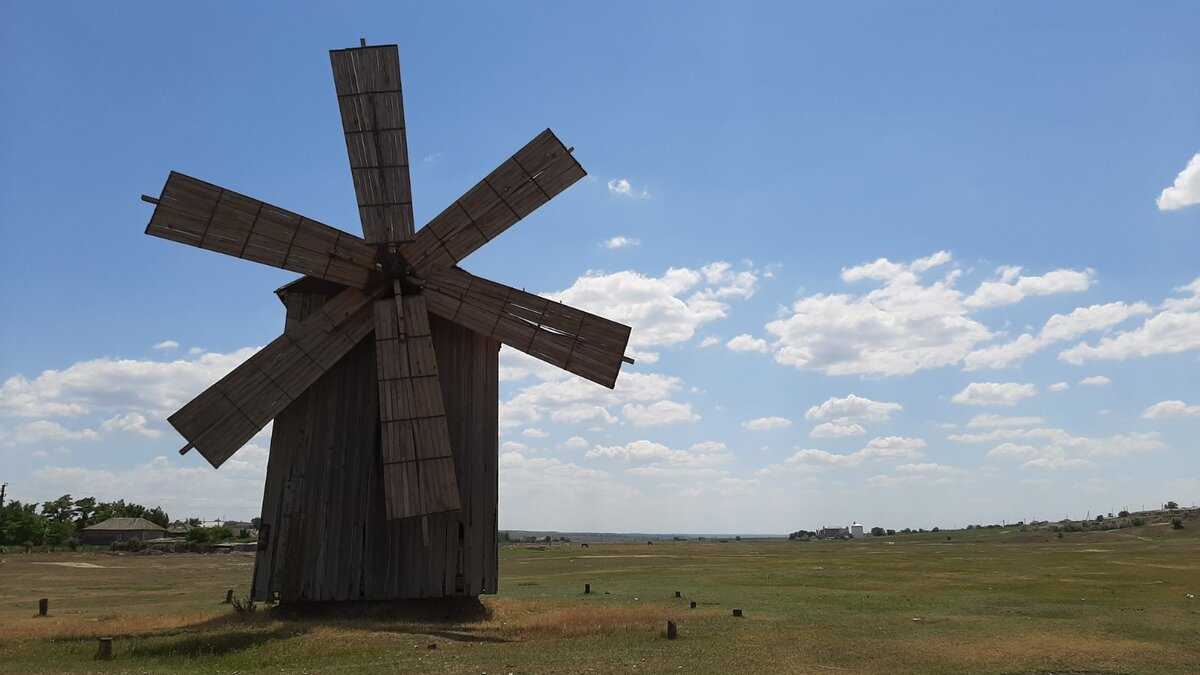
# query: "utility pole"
(3, 487)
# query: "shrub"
(243, 605)
(1060, 534)
(1176, 523)
(1137, 522)
(73, 544)
(1123, 514)
(131, 545)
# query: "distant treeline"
(56, 523)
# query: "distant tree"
(256, 523)
(1170, 505)
(157, 516)
(878, 532)
(1176, 523)
(504, 536)
(1123, 514)
(58, 532)
(198, 535)
(60, 510)
(891, 532)
(194, 522)
(738, 538)
(1099, 519)
(85, 511)
(933, 530)
(20, 523)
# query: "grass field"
(982, 601)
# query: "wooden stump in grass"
(229, 597)
(587, 588)
(105, 652)
(737, 613)
(43, 606)
(672, 630)
(693, 604)
(678, 594)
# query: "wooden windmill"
(381, 482)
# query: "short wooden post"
(587, 588)
(43, 606)
(737, 613)
(693, 604)
(678, 594)
(672, 630)
(105, 653)
(229, 597)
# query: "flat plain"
(989, 601)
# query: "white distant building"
(856, 531)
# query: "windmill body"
(383, 387)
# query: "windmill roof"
(124, 524)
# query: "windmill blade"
(196, 213)
(367, 81)
(228, 414)
(528, 179)
(418, 467)
(572, 339)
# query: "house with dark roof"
(122, 528)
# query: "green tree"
(1170, 505)
(59, 510)
(85, 512)
(20, 523)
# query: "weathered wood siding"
(324, 534)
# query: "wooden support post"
(43, 606)
(587, 588)
(678, 594)
(105, 652)
(693, 604)
(229, 597)
(672, 630)
(737, 613)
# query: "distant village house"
(127, 529)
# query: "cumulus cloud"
(1174, 329)
(578, 401)
(663, 310)
(852, 409)
(1058, 463)
(710, 341)
(658, 413)
(1058, 328)
(989, 421)
(620, 242)
(132, 423)
(1186, 189)
(534, 432)
(623, 188)
(900, 328)
(1059, 386)
(1011, 287)
(747, 343)
(836, 430)
(1095, 381)
(115, 386)
(1168, 409)
(1050, 447)
(166, 345)
(928, 467)
(994, 393)
(700, 455)
(887, 448)
(576, 443)
(45, 431)
(767, 423)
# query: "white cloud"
(534, 432)
(900, 328)
(878, 449)
(1174, 329)
(1095, 381)
(620, 242)
(576, 443)
(928, 467)
(1058, 328)
(710, 341)
(115, 386)
(1012, 288)
(994, 393)
(767, 423)
(166, 345)
(1012, 451)
(132, 423)
(1048, 446)
(45, 431)
(747, 343)
(852, 409)
(574, 400)
(1185, 191)
(1059, 386)
(658, 413)
(989, 421)
(662, 310)
(645, 451)
(623, 188)
(513, 446)
(1058, 463)
(836, 430)
(1167, 409)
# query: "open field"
(1000, 601)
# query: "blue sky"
(915, 265)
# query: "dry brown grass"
(526, 619)
(75, 627)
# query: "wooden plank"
(200, 214)
(577, 341)
(367, 81)
(224, 417)
(538, 172)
